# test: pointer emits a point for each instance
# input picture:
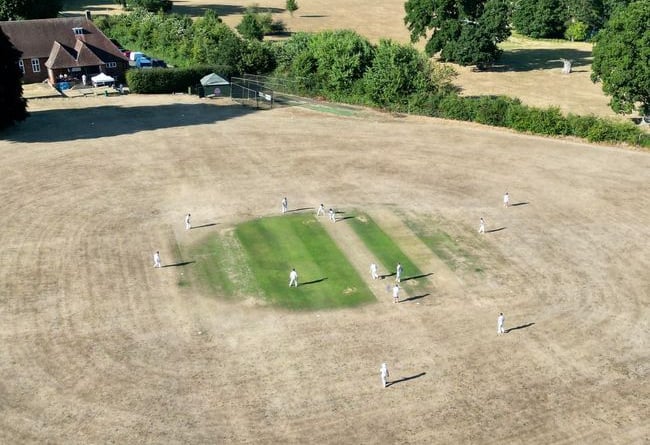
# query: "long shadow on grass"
(345, 217)
(300, 209)
(541, 59)
(314, 281)
(517, 204)
(387, 275)
(204, 225)
(416, 297)
(523, 326)
(183, 263)
(495, 230)
(405, 379)
(111, 120)
(417, 276)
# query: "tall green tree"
(463, 31)
(29, 9)
(540, 18)
(622, 58)
(291, 6)
(12, 104)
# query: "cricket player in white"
(481, 227)
(293, 278)
(332, 215)
(285, 205)
(383, 371)
(398, 272)
(500, 320)
(506, 200)
(188, 224)
(156, 259)
(321, 210)
(396, 293)
(373, 271)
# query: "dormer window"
(78, 31)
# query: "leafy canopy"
(29, 9)
(622, 58)
(463, 31)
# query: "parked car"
(143, 62)
(157, 63)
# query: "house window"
(78, 31)
(21, 65)
(111, 64)
(36, 66)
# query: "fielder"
(332, 215)
(285, 205)
(321, 210)
(383, 371)
(156, 259)
(373, 271)
(396, 293)
(398, 273)
(481, 227)
(506, 200)
(293, 278)
(188, 224)
(500, 320)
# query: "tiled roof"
(35, 38)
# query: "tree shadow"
(203, 225)
(406, 379)
(540, 59)
(416, 297)
(113, 120)
(523, 326)
(495, 230)
(415, 277)
(517, 204)
(183, 263)
(182, 7)
(314, 281)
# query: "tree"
(291, 6)
(463, 31)
(149, 5)
(622, 58)
(250, 27)
(29, 9)
(539, 18)
(12, 103)
(397, 71)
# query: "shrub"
(458, 108)
(492, 110)
(576, 31)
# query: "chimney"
(89, 15)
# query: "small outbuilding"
(214, 85)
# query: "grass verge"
(274, 246)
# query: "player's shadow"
(300, 209)
(345, 217)
(314, 281)
(495, 230)
(182, 263)
(386, 275)
(517, 204)
(416, 297)
(417, 276)
(406, 379)
(523, 326)
(204, 225)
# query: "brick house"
(64, 48)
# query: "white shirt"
(500, 320)
(293, 275)
(395, 291)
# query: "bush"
(170, 80)
(576, 31)
(458, 108)
(492, 110)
